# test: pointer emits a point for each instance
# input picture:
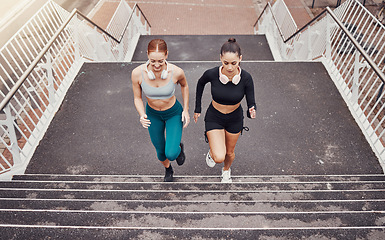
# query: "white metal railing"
(350, 42)
(127, 30)
(38, 65)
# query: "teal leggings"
(169, 121)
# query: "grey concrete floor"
(303, 127)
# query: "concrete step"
(202, 179)
(194, 207)
(140, 219)
(223, 195)
(59, 232)
(185, 186)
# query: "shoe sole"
(208, 162)
(180, 162)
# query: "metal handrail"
(377, 70)
(306, 25)
(96, 25)
(129, 19)
(275, 20)
(34, 63)
(260, 15)
(24, 76)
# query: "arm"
(198, 95)
(250, 99)
(138, 102)
(185, 94)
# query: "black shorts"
(231, 122)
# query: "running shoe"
(226, 178)
(180, 159)
(169, 175)
(209, 160)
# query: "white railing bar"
(35, 45)
(129, 19)
(358, 46)
(44, 50)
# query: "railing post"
(9, 122)
(51, 86)
(356, 76)
(328, 50)
(76, 43)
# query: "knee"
(172, 154)
(230, 155)
(218, 157)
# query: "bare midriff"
(161, 104)
(225, 109)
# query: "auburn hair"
(157, 45)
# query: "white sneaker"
(226, 178)
(209, 160)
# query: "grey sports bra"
(163, 92)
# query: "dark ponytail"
(231, 46)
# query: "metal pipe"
(28, 71)
(377, 70)
(129, 19)
(302, 28)
(97, 26)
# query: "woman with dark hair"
(224, 116)
(163, 115)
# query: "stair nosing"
(184, 228)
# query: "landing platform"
(205, 47)
(303, 127)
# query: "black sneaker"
(168, 177)
(180, 159)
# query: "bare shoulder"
(136, 74)
(179, 73)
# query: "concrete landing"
(205, 47)
(303, 127)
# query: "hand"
(144, 121)
(253, 112)
(185, 118)
(196, 116)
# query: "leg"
(231, 140)
(217, 144)
(156, 131)
(174, 127)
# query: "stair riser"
(168, 206)
(193, 220)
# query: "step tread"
(356, 185)
(193, 206)
(184, 178)
(36, 232)
(194, 219)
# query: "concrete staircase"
(46, 206)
